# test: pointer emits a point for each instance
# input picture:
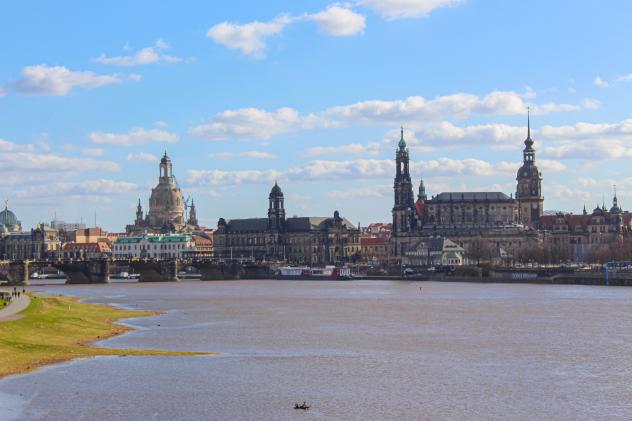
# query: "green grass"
(56, 328)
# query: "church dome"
(8, 219)
(276, 191)
(528, 171)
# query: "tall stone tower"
(404, 212)
(166, 204)
(529, 190)
(193, 221)
(139, 221)
(276, 211)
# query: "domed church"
(167, 206)
(8, 221)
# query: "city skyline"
(242, 95)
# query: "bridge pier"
(161, 271)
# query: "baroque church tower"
(404, 211)
(166, 204)
(276, 211)
(529, 190)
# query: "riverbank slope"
(53, 329)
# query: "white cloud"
(224, 178)
(57, 80)
(26, 159)
(148, 55)
(353, 148)
(142, 156)
(589, 141)
(561, 191)
(415, 111)
(86, 188)
(357, 169)
(378, 191)
(248, 123)
(601, 82)
(591, 104)
(245, 154)
(339, 20)
(625, 78)
(136, 136)
(249, 38)
(545, 165)
(396, 9)
(94, 152)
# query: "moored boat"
(305, 272)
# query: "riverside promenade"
(17, 305)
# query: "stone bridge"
(99, 270)
(77, 271)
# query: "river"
(362, 350)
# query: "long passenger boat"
(305, 272)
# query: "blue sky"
(310, 93)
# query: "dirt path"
(17, 305)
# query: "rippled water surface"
(365, 350)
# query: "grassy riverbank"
(56, 328)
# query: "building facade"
(579, 237)
(37, 244)
(153, 246)
(301, 240)
(473, 220)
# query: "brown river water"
(362, 350)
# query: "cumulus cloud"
(349, 149)
(25, 158)
(396, 9)
(142, 156)
(224, 178)
(354, 169)
(58, 80)
(245, 154)
(83, 189)
(249, 123)
(625, 78)
(336, 20)
(339, 20)
(589, 141)
(455, 106)
(377, 191)
(249, 38)
(256, 123)
(602, 83)
(147, 55)
(136, 136)
(95, 152)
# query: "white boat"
(305, 272)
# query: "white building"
(154, 246)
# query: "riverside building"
(500, 221)
(301, 240)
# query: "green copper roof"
(154, 239)
(402, 142)
(422, 189)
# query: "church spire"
(528, 141)
(402, 142)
